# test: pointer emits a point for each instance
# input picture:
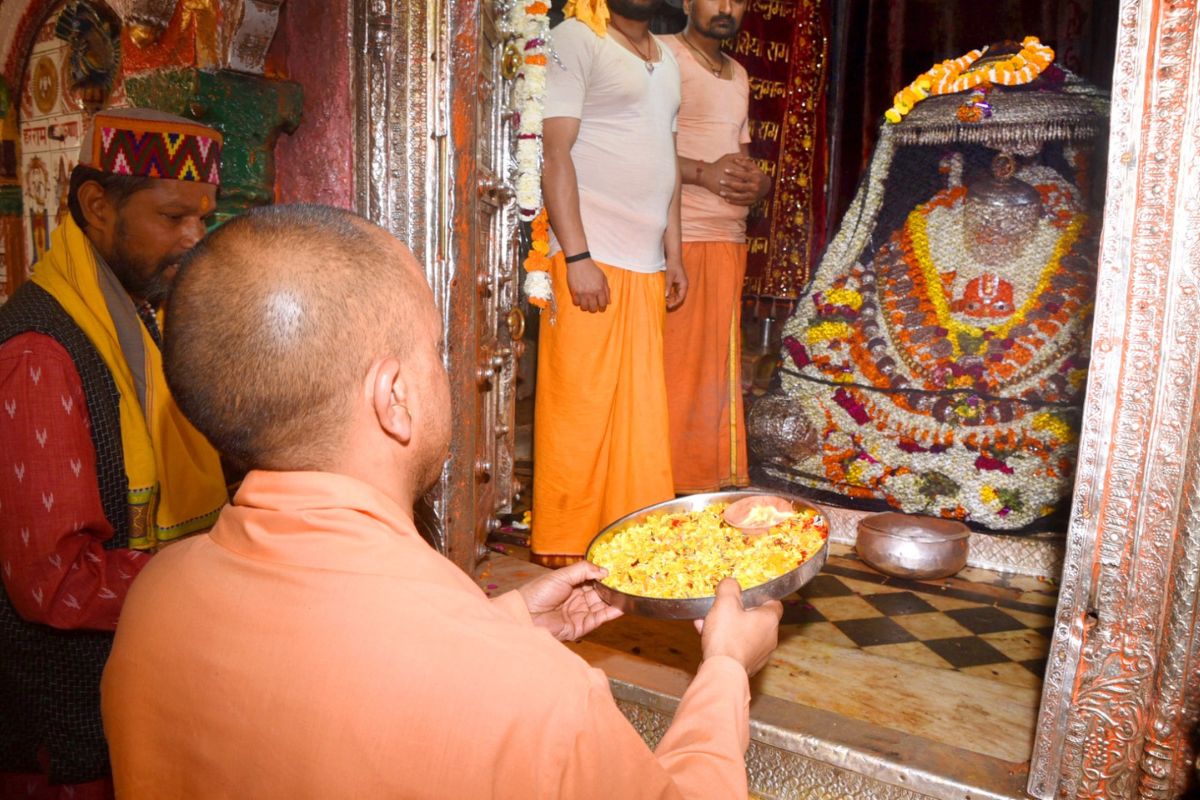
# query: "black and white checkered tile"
(933, 623)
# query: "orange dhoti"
(600, 446)
(702, 349)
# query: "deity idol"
(943, 373)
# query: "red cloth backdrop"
(783, 45)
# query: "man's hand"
(743, 183)
(565, 603)
(589, 287)
(677, 284)
(712, 175)
(748, 637)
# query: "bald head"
(275, 319)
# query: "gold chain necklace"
(715, 69)
(647, 60)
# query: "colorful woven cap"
(147, 143)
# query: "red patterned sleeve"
(52, 526)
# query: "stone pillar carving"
(249, 110)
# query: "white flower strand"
(538, 287)
(529, 97)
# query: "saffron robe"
(600, 439)
(702, 357)
(312, 645)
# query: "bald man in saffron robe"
(313, 645)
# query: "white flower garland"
(530, 23)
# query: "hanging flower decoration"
(957, 75)
(976, 107)
(537, 263)
(530, 22)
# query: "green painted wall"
(249, 110)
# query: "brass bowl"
(697, 607)
(910, 546)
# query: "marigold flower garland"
(531, 23)
(956, 75)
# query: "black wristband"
(578, 257)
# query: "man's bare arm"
(676, 278)
(588, 286)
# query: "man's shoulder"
(671, 42)
(32, 309)
(739, 72)
(571, 33)
(36, 344)
(34, 328)
(669, 56)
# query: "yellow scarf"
(593, 13)
(175, 481)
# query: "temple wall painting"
(54, 104)
(64, 59)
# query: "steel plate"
(697, 607)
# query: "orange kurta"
(702, 349)
(314, 646)
(600, 417)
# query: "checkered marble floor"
(917, 657)
(985, 629)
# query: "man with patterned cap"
(98, 468)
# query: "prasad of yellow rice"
(686, 554)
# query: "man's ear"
(98, 211)
(389, 397)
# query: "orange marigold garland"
(537, 263)
(958, 75)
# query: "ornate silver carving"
(776, 773)
(650, 723)
(1040, 555)
(394, 182)
(1120, 694)
(425, 148)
